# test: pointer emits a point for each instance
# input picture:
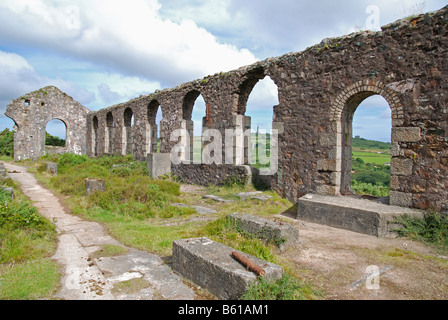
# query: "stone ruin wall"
(319, 90)
(31, 114)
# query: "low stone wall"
(204, 175)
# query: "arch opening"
(260, 109)
(55, 136)
(194, 111)
(128, 136)
(258, 96)
(366, 146)
(109, 134)
(95, 125)
(153, 128)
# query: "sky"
(104, 52)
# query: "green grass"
(372, 157)
(136, 208)
(27, 241)
(33, 280)
(286, 288)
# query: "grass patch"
(36, 279)
(136, 208)
(372, 157)
(130, 286)
(286, 288)
(27, 240)
(109, 250)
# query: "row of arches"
(154, 117)
(258, 96)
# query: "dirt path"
(336, 261)
(136, 275)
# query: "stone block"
(358, 215)
(283, 235)
(401, 167)
(407, 134)
(94, 185)
(401, 199)
(159, 164)
(9, 191)
(52, 167)
(3, 174)
(210, 264)
(327, 165)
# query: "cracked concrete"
(84, 278)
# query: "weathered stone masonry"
(319, 90)
(31, 114)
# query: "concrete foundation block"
(159, 164)
(52, 167)
(94, 185)
(283, 235)
(358, 215)
(210, 265)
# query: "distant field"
(374, 152)
(372, 157)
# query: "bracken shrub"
(130, 190)
(432, 229)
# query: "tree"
(7, 143)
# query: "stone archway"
(342, 112)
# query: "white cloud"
(128, 36)
(18, 77)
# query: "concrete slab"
(358, 215)
(210, 265)
(159, 164)
(215, 198)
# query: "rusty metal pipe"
(249, 264)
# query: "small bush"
(24, 234)
(68, 160)
(363, 188)
(7, 143)
(432, 229)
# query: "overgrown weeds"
(432, 229)
(286, 288)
